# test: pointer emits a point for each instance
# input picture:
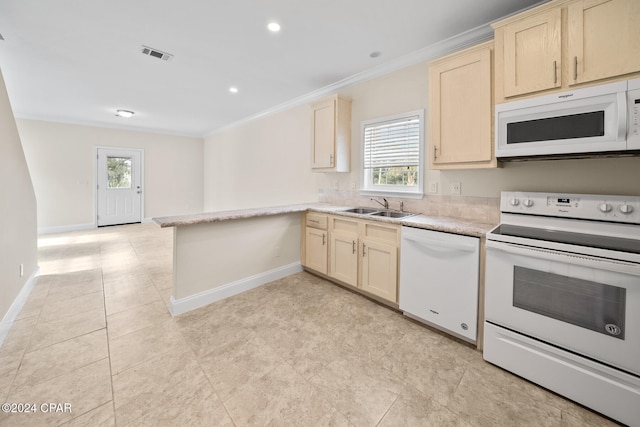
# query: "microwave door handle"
(622, 116)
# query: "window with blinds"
(392, 153)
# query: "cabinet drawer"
(344, 224)
(316, 221)
(382, 233)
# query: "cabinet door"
(316, 245)
(344, 257)
(532, 53)
(324, 128)
(460, 109)
(603, 39)
(380, 269)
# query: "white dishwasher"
(439, 280)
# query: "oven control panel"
(624, 209)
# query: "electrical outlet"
(455, 188)
(336, 184)
(354, 185)
(277, 251)
(433, 187)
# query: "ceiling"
(77, 61)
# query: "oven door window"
(591, 305)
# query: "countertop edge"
(428, 222)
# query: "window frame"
(366, 180)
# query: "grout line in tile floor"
(297, 351)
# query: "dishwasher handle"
(440, 245)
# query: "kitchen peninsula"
(220, 254)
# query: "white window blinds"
(394, 143)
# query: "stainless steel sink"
(392, 214)
(363, 211)
(378, 212)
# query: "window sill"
(387, 193)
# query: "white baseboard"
(16, 306)
(65, 228)
(201, 299)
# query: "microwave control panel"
(633, 107)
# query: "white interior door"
(119, 186)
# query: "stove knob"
(514, 202)
(528, 203)
(605, 207)
(625, 209)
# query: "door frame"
(96, 179)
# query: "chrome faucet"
(385, 204)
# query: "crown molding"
(436, 50)
(97, 124)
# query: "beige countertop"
(437, 223)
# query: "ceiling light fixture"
(124, 113)
(233, 89)
(274, 27)
(375, 54)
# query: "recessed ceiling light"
(375, 54)
(233, 89)
(124, 113)
(273, 27)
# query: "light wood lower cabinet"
(363, 254)
(315, 242)
(380, 269)
(316, 249)
(344, 257)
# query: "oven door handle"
(565, 257)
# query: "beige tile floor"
(96, 333)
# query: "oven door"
(584, 304)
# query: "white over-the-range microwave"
(595, 120)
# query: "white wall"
(262, 163)
(18, 241)
(61, 158)
(407, 90)
(277, 147)
(216, 260)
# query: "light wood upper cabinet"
(461, 110)
(532, 53)
(603, 39)
(566, 43)
(331, 134)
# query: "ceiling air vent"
(146, 50)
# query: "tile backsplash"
(482, 209)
